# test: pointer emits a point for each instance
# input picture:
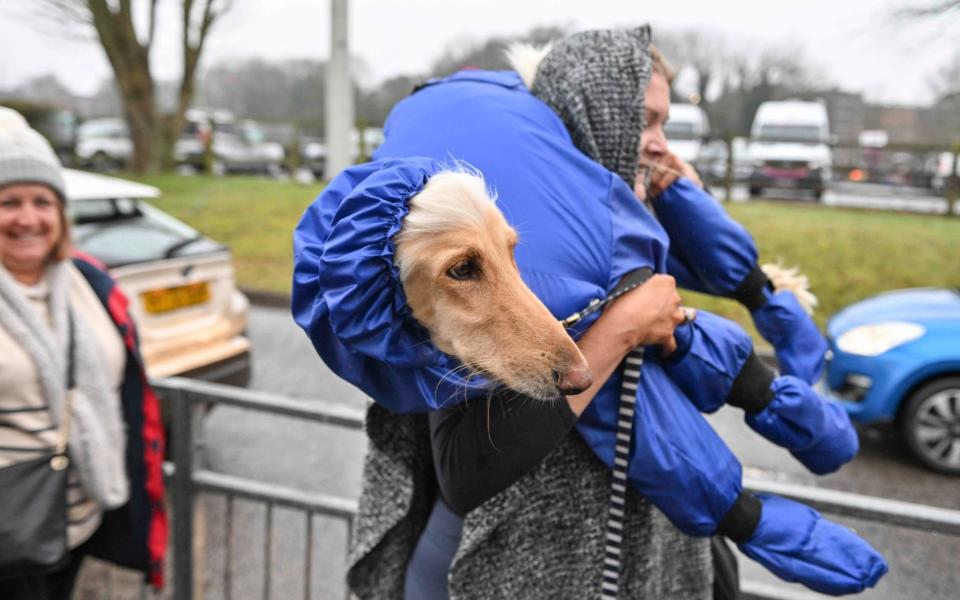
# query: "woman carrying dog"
(537, 531)
(506, 523)
(70, 372)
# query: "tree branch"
(931, 10)
(151, 25)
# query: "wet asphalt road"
(855, 195)
(324, 459)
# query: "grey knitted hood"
(595, 82)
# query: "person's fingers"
(669, 346)
(679, 316)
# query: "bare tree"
(930, 9)
(125, 30)
(703, 52)
(947, 80)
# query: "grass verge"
(254, 216)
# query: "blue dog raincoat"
(581, 230)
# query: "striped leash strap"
(628, 401)
(618, 487)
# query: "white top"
(26, 429)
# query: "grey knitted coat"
(543, 537)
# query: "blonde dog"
(455, 257)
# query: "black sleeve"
(483, 446)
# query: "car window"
(109, 128)
(228, 128)
(808, 134)
(123, 232)
(252, 134)
(191, 128)
(679, 130)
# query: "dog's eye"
(464, 270)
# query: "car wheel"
(755, 192)
(101, 162)
(818, 195)
(931, 424)
(274, 170)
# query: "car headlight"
(873, 340)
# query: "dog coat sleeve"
(715, 365)
(711, 353)
(711, 252)
(800, 347)
(797, 544)
(703, 238)
(677, 460)
(817, 433)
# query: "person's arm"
(482, 447)
(646, 316)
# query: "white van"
(789, 147)
(686, 131)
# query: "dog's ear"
(525, 60)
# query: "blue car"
(896, 359)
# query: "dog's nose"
(575, 380)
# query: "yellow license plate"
(160, 301)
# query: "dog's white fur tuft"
(449, 201)
(792, 280)
(525, 59)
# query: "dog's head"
(456, 262)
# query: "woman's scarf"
(97, 439)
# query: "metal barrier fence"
(913, 173)
(188, 400)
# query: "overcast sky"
(855, 43)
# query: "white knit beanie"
(25, 155)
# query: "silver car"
(180, 283)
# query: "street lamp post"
(339, 113)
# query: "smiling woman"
(33, 230)
(76, 414)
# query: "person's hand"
(649, 314)
(666, 170)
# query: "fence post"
(182, 430)
(728, 174)
(953, 183)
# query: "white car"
(103, 144)
(238, 146)
(686, 131)
(789, 147)
(938, 167)
(183, 295)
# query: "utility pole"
(339, 117)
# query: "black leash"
(631, 280)
(632, 366)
